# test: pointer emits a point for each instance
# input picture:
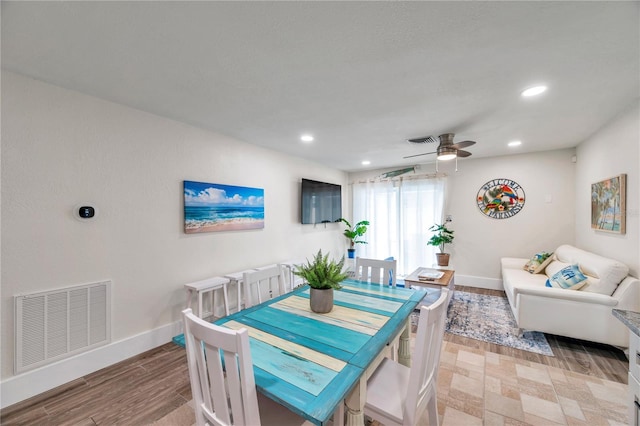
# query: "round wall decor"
(500, 198)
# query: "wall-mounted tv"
(321, 202)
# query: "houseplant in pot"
(323, 276)
(441, 236)
(353, 233)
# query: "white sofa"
(582, 314)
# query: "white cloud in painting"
(210, 196)
(252, 200)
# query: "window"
(401, 212)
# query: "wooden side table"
(447, 280)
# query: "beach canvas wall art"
(608, 205)
(210, 207)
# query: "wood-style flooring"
(145, 388)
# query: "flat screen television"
(321, 202)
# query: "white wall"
(545, 222)
(480, 241)
(610, 152)
(61, 148)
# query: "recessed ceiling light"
(515, 143)
(533, 91)
(306, 138)
(366, 162)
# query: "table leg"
(404, 351)
(355, 403)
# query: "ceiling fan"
(447, 150)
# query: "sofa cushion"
(555, 266)
(603, 274)
(538, 262)
(569, 278)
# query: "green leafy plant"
(322, 272)
(353, 233)
(441, 236)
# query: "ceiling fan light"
(533, 91)
(445, 153)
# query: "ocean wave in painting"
(205, 216)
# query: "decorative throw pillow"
(569, 278)
(538, 262)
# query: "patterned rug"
(489, 318)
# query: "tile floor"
(484, 388)
(476, 387)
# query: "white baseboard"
(480, 282)
(23, 386)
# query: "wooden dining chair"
(263, 284)
(222, 379)
(399, 395)
(376, 270)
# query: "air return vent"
(56, 324)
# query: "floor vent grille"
(56, 324)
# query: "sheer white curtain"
(401, 212)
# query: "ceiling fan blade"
(463, 154)
(463, 144)
(418, 155)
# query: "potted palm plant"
(353, 233)
(441, 236)
(323, 276)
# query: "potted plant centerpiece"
(441, 236)
(353, 233)
(323, 275)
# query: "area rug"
(489, 318)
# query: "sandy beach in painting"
(230, 225)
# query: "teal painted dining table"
(312, 362)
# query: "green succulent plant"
(322, 272)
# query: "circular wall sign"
(500, 198)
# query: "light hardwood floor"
(155, 385)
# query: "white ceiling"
(362, 77)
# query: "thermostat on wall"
(85, 211)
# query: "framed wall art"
(608, 205)
(210, 207)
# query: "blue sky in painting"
(213, 194)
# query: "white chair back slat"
(424, 368)
(221, 392)
(376, 271)
(399, 395)
(264, 284)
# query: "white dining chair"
(264, 284)
(376, 271)
(291, 280)
(223, 383)
(399, 395)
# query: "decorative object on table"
(430, 275)
(442, 236)
(500, 198)
(353, 233)
(489, 319)
(538, 262)
(608, 205)
(210, 207)
(323, 276)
